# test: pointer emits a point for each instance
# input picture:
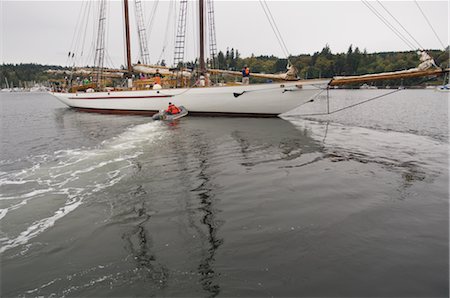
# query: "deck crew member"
(245, 75)
(158, 77)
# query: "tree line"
(325, 64)
(321, 64)
(18, 74)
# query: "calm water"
(351, 204)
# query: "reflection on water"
(416, 158)
(205, 193)
(138, 243)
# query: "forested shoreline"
(321, 64)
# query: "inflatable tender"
(162, 115)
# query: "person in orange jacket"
(245, 75)
(157, 77)
(172, 109)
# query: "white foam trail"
(11, 182)
(33, 193)
(3, 213)
(75, 174)
(39, 226)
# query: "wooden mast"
(201, 16)
(127, 36)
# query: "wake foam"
(63, 181)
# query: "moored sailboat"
(262, 100)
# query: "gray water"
(353, 204)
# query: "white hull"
(258, 100)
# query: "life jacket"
(247, 71)
(173, 109)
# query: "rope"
(311, 99)
(358, 103)
(435, 34)
(166, 36)
(412, 37)
(75, 34)
(389, 25)
(108, 59)
(353, 105)
(239, 94)
(275, 29)
(365, 101)
(85, 31)
(152, 18)
(188, 89)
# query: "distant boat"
(365, 86)
(443, 88)
(39, 88)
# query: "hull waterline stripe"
(152, 112)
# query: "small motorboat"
(444, 88)
(163, 115)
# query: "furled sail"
(427, 67)
(290, 75)
(152, 69)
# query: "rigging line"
(92, 46)
(273, 29)
(365, 101)
(400, 35)
(76, 45)
(271, 25)
(311, 99)
(76, 26)
(420, 46)
(85, 30)
(188, 89)
(166, 37)
(276, 28)
(389, 25)
(77, 32)
(435, 34)
(174, 28)
(84, 19)
(353, 105)
(278, 31)
(195, 32)
(107, 26)
(79, 46)
(151, 20)
(108, 57)
(80, 60)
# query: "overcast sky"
(43, 31)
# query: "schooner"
(283, 94)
